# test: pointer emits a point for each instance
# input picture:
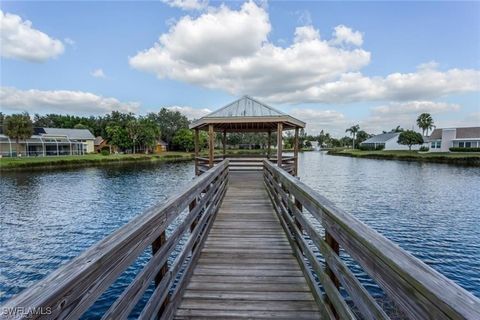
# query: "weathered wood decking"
(247, 267)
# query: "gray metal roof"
(76, 134)
(245, 107)
(382, 138)
(247, 114)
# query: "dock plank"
(247, 268)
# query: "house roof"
(461, 133)
(98, 140)
(382, 138)
(162, 143)
(76, 134)
(465, 133)
(247, 114)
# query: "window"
(461, 144)
(432, 145)
(468, 144)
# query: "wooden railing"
(70, 290)
(416, 289)
(244, 163)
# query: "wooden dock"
(243, 245)
(247, 267)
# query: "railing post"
(197, 148)
(156, 245)
(332, 243)
(192, 206)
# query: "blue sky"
(368, 72)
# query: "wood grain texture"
(420, 291)
(247, 268)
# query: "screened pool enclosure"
(38, 145)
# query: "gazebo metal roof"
(247, 114)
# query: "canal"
(49, 217)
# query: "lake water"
(49, 217)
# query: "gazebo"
(247, 115)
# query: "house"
(161, 146)
(49, 141)
(387, 141)
(100, 144)
(442, 139)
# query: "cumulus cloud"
(187, 4)
(329, 120)
(229, 50)
(415, 107)
(404, 114)
(191, 113)
(62, 101)
(98, 73)
(21, 41)
(345, 35)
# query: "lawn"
(89, 159)
(464, 158)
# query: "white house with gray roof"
(442, 139)
(388, 141)
(49, 142)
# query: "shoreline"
(92, 160)
(459, 159)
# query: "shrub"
(371, 148)
(104, 152)
(424, 148)
(459, 149)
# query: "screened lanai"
(38, 145)
(247, 115)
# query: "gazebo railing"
(244, 163)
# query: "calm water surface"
(47, 218)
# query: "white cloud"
(191, 113)
(329, 120)
(69, 41)
(98, 73)
(20, 41)
(187, 4)
(415, 107)
(344, 35)
(229, 50)
(63, 101)
(404, 114)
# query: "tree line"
(128, 132)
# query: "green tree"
(362, 136)
(425, 122)
(353, 132)
(149, 133)
(169, 122)
(134, 130)
(410, 138)
(184, 140)
(18, 126)
(2, 118)
(397, 129)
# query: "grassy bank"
(459, 158)
(88, 160)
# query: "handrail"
(70, 290)
(415, 288)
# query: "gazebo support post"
(197, 148)
(269, 144)
(210, 145)
(295, 152)
(279, 144)
(224, 144)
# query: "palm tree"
(425, 122)
(353, 132)
(18, 127)
(133, 130)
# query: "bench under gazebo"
(246, 115)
